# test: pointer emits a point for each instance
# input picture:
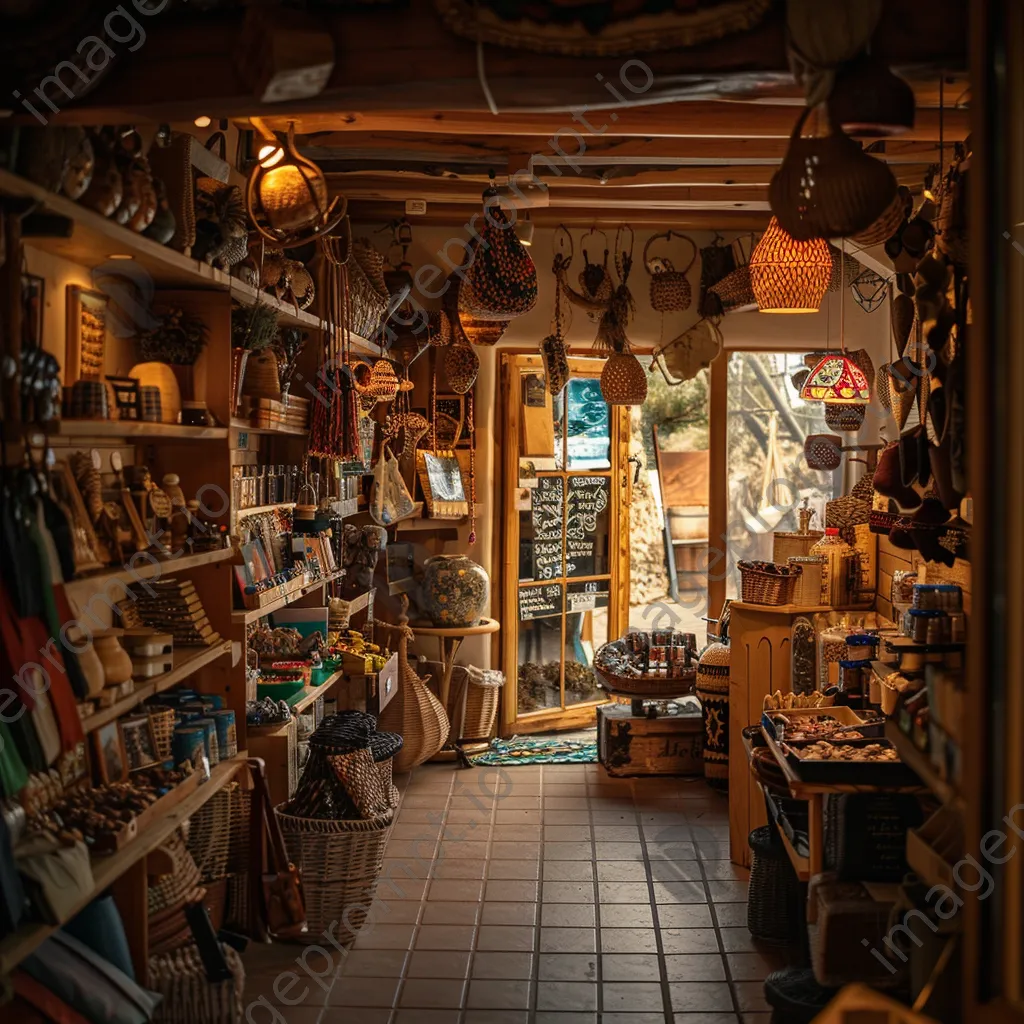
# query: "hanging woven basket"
(828, 187)
(556, 363)
(461, 366)
(439, 330)
(788, 276)
(846, 418)
(623, 380)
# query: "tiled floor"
(555, 894)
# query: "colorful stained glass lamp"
(836, 379)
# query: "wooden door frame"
(507, 441)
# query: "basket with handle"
(670, 289)
(768, 583)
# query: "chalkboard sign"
(546, 519)
(586, 528)
(540, 602)
(583, 597)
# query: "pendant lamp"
(383, 384)
(837, 379)
(789, 276)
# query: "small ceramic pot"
(90, 664)
(455, 590)
(117, 665)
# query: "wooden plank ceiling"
(405, 115)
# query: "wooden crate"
(669, 745)
(279, 748)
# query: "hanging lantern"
(287, 196)
(837, 379)
(789, 276)
(382, 385)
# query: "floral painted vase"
(455, 590)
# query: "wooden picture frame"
(86, 334)
(138, 742)
(89, 553)
(108, 753)
(440, 476)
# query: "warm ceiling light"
(788, 276)
(119, 256)
(203, 121)
(838, 380)
(524, 229)
(270, 155)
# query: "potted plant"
(253, 329)
(178, 339)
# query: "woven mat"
(546, 750)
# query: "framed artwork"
(33, 302)
(440, 477)
(89, 552)
(86, 334)
(108, 752)
(139, 742)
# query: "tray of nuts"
(808, 725)
(856, 763)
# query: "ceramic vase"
(455, 590)
(117, 665)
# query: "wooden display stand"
(632, 745)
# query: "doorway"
(566, 526)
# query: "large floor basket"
(340, 861)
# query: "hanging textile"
(774, 495)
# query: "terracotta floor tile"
(619, 851)
(490, 994)
(455, 890)
(547, 1017)
(517, 833)
(623, 892)
(567, 967)
(753, 966)
(568, 871)
(628, 940)
(496, 1017)
(413, 850)
(513, 938)
(560, 803)
(676, 870)
(386, 936)
(727, 891)
(638, 996)
(750, 995)
(731, 915)
(514, 870)
(364, 992)
(516, 802)
(422, 1016)
(449, 869)
(568, 915)
(415, 830)
(432, 993)
(466, 831)
(567, 833)
(502, 965)
(445, 912)
(680, 892)
(568, 851)
(517, 815)
(689, 940)
(567, 892)
(624, 915)
(616, 833)
(695, 967)
(467, 815)
(430, 963)
(392, 911)
(374, 963)
(630, 967)
(471, 850)
(515, 850)
(568, 940)
(445, 936)
(621, 871)
(406, 889)
(554, 817)
(706, 1018)
(700, 996)
(684, 915)
(405, 867)
(511, 890)
(345, 1015)
(510, 913)
(737, 940)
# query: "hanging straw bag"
(390, 499)
(848, 192)
(670, 289)
(500, 280)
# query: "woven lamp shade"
(623, 380)
(837, 380)
(789, 276)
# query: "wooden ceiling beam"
(499, 151)
(692, 119)
(386, 60)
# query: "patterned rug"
(542, 750)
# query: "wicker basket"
(885, 227)
(461, 366)
(172, 890)
(180, 978)
(650, 687)
(210, 834)
(768, 583)
(340, 862)
(623, 380)
(773, 892)
(483, 693)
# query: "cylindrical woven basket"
(340, 861)
(773, 892)
(623, 380)
(768, 582)
(713, 671)
(188, 995)
(171, 890)
(209, 834)
(482, 697)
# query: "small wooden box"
(279, 748)
(668, 745)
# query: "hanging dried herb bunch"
(179, 338)
(289, 343)
(253, 327)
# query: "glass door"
(566, 581)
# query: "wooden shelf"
(243, 425)
(310, 693)
(245, 616)
(187, 660)
(148, 571)
(136, 429)
(801, 865)
(255, 510)
(430, 525)
(920, 764)
(106, 870)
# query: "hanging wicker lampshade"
(286, 196)
(623, 381)
(789, 276)
(838, 380)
